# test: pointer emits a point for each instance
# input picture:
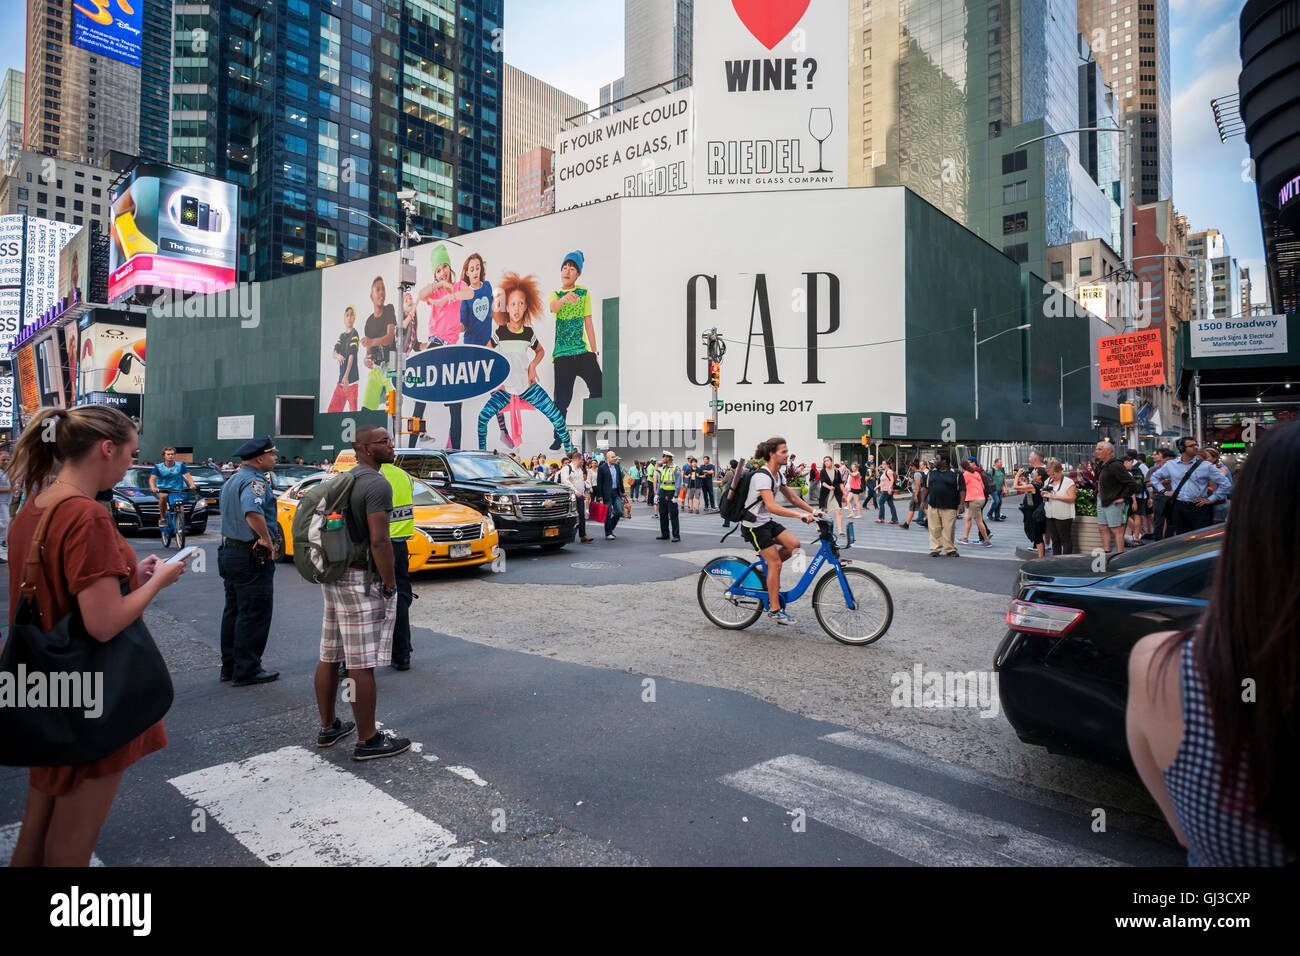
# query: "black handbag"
(123, 682)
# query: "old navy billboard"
(110, 28)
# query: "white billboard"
(644, 150)
(45, 240)
(771, 95)
(1246, 335)
(11, 280)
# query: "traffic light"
(1126, 413)
(715, 374)
(710, 428)
(391, 402)
(866, 441)
(413, 426)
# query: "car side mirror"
(438, 476)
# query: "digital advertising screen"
(111, 28)
(173, 229)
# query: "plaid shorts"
(358, 624)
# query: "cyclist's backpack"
(322, 554)
(734, 497)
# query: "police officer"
(667, 482)
(245, 562)
(401, 528)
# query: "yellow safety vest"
(668, 478)
(401, 520)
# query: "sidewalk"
(1007, 535)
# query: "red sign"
(770, 20)
(1131, 361)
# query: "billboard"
(74, 268)
(793, 315)
(173, 229)
(6, 402)
(111, 359)
(772, 95)
(464, 292)
(25, 371)
(111, 28)
(45, 240)
(11, 279)
(644, 150)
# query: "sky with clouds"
(577, 45)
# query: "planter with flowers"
(1086, 535)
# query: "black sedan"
(135, 507)
(284, 477)
(526, 511)
(1063, 665)
(208, 481)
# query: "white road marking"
(9, 840)
(292, 807)
(1053, 799)
(916, 827)
(469, 774)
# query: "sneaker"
(611, 537)
(586, 540)
(677, 540)
(934, 554)
(780, 617)
(661, 537)
(380, 745)
(905, 525)
(953, 554)
(336, 732)
(986, 544)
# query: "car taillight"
(1042, 618)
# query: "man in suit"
(609, 489)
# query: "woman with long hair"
(83, 562)
(1030, 483)
(1214, 712)
(1059, 494)
(886, 492)
(832, 492)
(855, 491)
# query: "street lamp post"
(974, 325)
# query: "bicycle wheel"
(165, 532)
(873, 612)
(724, 610)
(178, 519)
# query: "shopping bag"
(599, 511)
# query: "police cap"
(254, 447)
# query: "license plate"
(551, 533)
(461, 550)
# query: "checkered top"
(1220, 830)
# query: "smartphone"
(184, 554)
(189, 211)
(202, 221)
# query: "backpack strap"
(32, 571)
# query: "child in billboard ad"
(515, 339)
(378, 339)
(575, 354)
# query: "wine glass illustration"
(820, 126)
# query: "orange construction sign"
(1131, 360)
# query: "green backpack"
(320, 553)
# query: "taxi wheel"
(277, 548)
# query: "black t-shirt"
(348, 345)
(377, 328)
(944, 488)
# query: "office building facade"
(536, 185)
(11, 117)
(321, 111)
(47, 187)
(610, 94)
(1130, 40)
(657, 45)
(946, 92)
(534, 112)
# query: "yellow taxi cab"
(447, 535)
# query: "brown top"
(82, 545)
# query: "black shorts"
(763, 536)
(1140, 507)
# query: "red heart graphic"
(770, 20)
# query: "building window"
(1058, 271)
(1019, 252)
(1085, 266)
(1016, 222)
(1015, 162)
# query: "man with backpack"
(361, 601)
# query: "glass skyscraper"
(322, 110)
(657, 43)
(947, 90)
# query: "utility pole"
(407, 199)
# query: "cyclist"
(769, 538)
(168, 475)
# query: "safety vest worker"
(401, 528)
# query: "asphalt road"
(571, 714)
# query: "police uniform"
(248, 575)
(669, 479)
(401, 528)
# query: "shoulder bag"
(127, 676)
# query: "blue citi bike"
(173, 528)
(852, 605)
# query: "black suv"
(135, 507)
(526, 511)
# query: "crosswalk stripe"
(9, 840)
(918, 828)
(292, 807)
(1040, 796)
